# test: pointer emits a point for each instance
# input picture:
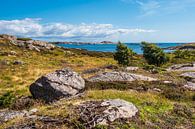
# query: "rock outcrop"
(56, 85)
(119, 77)
(29, 44)
(182, 67)
(104, 112)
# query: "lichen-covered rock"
(56, 85)
(105, 112)
(119, 77)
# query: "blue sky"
(97, 20)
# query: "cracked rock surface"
(56, 85)
(119, 76)
(104, 112)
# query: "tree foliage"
(123, 54)
(153, 54)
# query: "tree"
(153, 54)
(123, 54)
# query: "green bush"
(6, 99)
(153, 54)
(123, 54)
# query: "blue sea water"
(136, 47)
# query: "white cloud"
(33, 28)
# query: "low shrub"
(24, 39)
(6, 99)
(174, 94)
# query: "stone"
(119, 77)
(13, 53)
(33, 111)
(167, 82)
(59, 84)
(18, 62)
(189, 75)
(190, 86)
(104, 112)
(182, 67)
(131, 68)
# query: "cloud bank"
(34, 28)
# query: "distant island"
(187, 46)
(71, 42)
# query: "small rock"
(167, 82)
(13, 53)
(132, 68)
(157, 89)
(18, 62)
(33, 111)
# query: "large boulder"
(104, 112)
(119, 77)
(56, 85)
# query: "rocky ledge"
(182, 67)
(119, 77)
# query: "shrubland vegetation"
(171, 106)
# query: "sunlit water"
(136, 47)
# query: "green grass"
(156, 108)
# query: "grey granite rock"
(119, 77)
(56, 85)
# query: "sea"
(136, 47)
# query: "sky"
(98, 20)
